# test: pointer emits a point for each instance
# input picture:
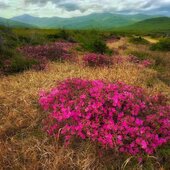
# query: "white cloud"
(70, 8)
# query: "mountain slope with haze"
(159, 24)
(95, 20)
(11, 23)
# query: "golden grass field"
(23, 144)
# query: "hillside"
(120, 98)
(95, 20)
(159, 24)
(11, 23)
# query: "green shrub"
(63, 35)
(10, 59)
(24, 39)
(14, 62)
(162, 45)
(19, 64)
(138, 40)
(140, 54)
(95, 45)
(98, 46)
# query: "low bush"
(138, 40)
(132, 59)
(162, 45)
(96, 46)
(113, 115)
(10, 60)
(140, 54)
(58, 51)
(142, 58)
(17, 64)
(93, 59)
(62, 35)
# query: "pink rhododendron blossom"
(113, 115)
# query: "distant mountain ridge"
(11, 23)
(94, 20)
(134, 23)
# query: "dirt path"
(151, 40)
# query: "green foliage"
(164, 156)
(94, 20)
(62, 34)
(159, 25)
(162, 45)
(19, 63)
(138, 40)
(92, 41)
(96, 46)
(140, 55)
(32, 39)
(10, 59)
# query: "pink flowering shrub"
(114, 115)
(132, 59)
(93, 59)
(58, 51)
(144, 62)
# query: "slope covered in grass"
(160, 24)
(94, 20)
(23, 142)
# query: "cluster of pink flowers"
(143, 63)
(113, 115)
(146, 63)
(132, 59)
(58, 51)
(93, 59)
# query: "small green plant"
(140, 54)
(62, 35)
(15, 63)
(162, 45)
(138, 40)
(99, 46)
(96, 46)
(11, 61)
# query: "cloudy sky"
(71, 8)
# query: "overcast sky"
(71, 8)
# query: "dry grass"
(164, 57)
(24, 145)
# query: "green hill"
(95, 20)
(159, 25)
(10, 23)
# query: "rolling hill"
(11, 23)
(159, 24)
(95, 20)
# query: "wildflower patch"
(113, 115)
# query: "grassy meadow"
(23, 143)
